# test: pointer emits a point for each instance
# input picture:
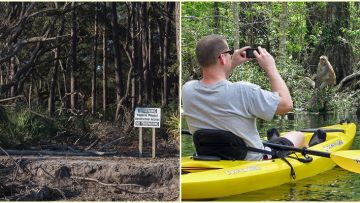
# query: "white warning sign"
(147, 117)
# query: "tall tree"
(117, 54)
(94, 64)
(177, 27)
(283, 28)
(216, 17)
(147, 47)
(73, 57)
(54, 79)
(104, 59)
(235, 10)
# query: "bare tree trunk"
(117, 57)
(283, 28)
(132, 29)
(13, 70)
(93, 80)
(73, 57)
(104, 62)
(235, 10)
(1, 77)
(136, 82)
(149, 79)
(52, 93)
(54, 79)
(164, 55)
(146, 50)
(141, 51)
(177, 27)
(216, 17)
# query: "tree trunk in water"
(73, 58)
(104, 76)
(93, 80)
(235, 10)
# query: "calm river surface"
(334, 185)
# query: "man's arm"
(267, 62)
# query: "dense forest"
(66, 66)
(296, 34)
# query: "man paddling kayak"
(216, 103)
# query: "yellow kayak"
(215, 179)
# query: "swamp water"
(334, 185)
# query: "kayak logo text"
(251, 168)
(332, 145)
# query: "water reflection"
(333, 185)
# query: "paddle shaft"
(301, 150)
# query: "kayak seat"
(272, 134)
(318, 137)
(219, 143)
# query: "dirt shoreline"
(89, 178)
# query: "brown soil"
(89, 178)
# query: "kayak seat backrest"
(318, 137)
(220, 143)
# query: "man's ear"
(222, 59)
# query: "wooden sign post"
(147, 118)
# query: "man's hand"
(239, 57)
(265, 60)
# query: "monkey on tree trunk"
(325, 74)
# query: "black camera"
(250, 52)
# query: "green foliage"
(170, 119)
(261, 22)
(22, 128)
(173, 126)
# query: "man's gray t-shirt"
(229, 106)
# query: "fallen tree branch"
(92, 144)
(11, 98)
(55, 153)
(105, 184)
(42, 116)
(347, 79)
(11, 105)
(16, 163)
(111, 142)
(47, 173)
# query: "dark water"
(334, 185)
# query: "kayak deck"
(215, 179)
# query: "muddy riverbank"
(89, 178)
